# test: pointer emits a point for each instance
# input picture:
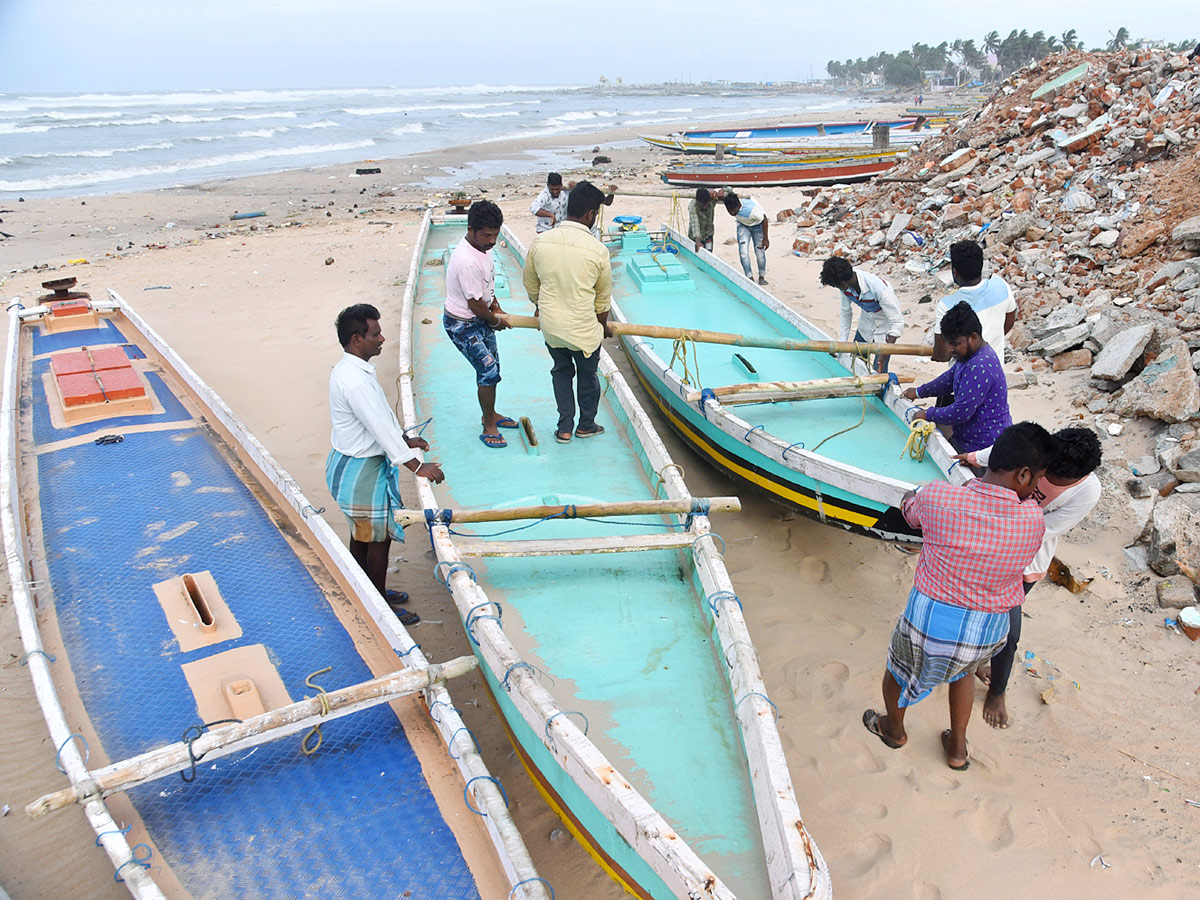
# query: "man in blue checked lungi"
(978, 539)
(369, 445)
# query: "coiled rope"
(918, 439)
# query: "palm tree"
(1052, 45)
(991, 42)
(1120, 39)
(1070, 39)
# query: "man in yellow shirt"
(568, 277)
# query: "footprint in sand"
(871, 850)
(923, 890)
(831, 678)
(991, 823)
(849, 629)
(879, 811)
(829, 729)
(867, 761)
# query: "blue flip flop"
(507, 422)
(494, 441)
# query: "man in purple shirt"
(979, 411)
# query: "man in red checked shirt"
(978, 539)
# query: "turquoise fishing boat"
(233, 705)
(841, 460)
(615, 649)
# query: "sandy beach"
(1082, 797)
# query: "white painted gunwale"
(795, 867)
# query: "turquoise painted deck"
(623, 636)
(720, 305)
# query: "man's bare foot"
(984, 673)
(957, 758)
(995, 710)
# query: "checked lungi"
(367, 490)
(935, 643)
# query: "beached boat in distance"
(179, 599)
(615, 649)
(773, 147)
(836, 455)
(919, 122)
(782, 138)
(779, 171)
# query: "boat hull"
(779, 174)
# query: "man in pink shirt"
(472, 316)
(978, 538)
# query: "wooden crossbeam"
(573, 510)
(815, 386)
(632, 543)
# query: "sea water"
(60, 144)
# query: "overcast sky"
(155, 45)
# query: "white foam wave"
(105, 176)
(413, 128)
(99, 154)
(579, 116)
(14, 128)
(263, 132)
(490, 115)
(324, 123)
(5, 160)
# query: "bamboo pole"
(817, 384)
(235, 737)
(740, 340)
(573, 511)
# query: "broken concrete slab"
(1167, 389)
(1175, 534)
(899, 223)
(1137, 238)
(1065, 316)
(1105, 239)
(1187, 230)
(1032, 159)
(1015, 227)
(1175, 592)
(1121, 351)
(1072, 359)
(1061, 341)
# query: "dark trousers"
(1002, 662)
(569, 366)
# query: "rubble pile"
(1081, 178)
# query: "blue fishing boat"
(614, 649)
(233, 705)
(838, 457)
(805, 129)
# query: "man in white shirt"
(880, 321)
(550, 206)
(368, 447)
(751, 230)
(992, 300)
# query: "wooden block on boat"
(196, 612)
(86, 360)
(69, 315)
(225, 682)
(80, 397)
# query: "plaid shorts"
(367, 490)
(476, 340)
(935, 643)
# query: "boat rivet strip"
(470, 733)
(508, 672)
(467, 788)
(304, 510)
(513, 892)
(722, 595)
(143, 861)
(25, 656)
(764, 696)
(124, 830)
(87, 751)
(799, 444)
(715, 537)
(751, 431)
(437, 703)
(451, 568)
(566, 712)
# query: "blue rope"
(404, 653)
(509, 671)
(124, 830)
(714, 536)
(420, 429)
(470, 733)
(304, 510)
(706, 394)
(25, 656)
(891, 380)
(758, 694)
(513, 892)
(799, 444)
(746, 437)
(87, 751)
(908, 415)
(566, 712)
(451, 568)
(436, 703)
(950, 468)
(467, 788)
(473, 617)
(536, 522)
(722, 595)
(17, 303)
(143, 861)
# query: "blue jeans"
(747, 235)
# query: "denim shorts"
(476, 340)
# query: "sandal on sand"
(966, 763)
(599, 429)
(762, 280)
(407, 617)
(507, 422)
(563, 437)
(396, 598)
(494, 441)
(871, 723)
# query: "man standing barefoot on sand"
(472, 316)
(1067, 493)
(978, 538)
(368, 447)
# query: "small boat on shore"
(774, 147)
(919, 122)
(233, 705)
(834, 454)
(938, 113)
(614, 649)
(779, 171)
(813, 136)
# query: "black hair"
(353, 320)
(484, 214)
(702, 195)
(732, 201)
(966, 258)
(960, 321)
(1024, 445)
(553, 178)
(585, 198)
(1078, 453)
(836, 271)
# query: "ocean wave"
(104, 176)
(490, 115)
(413, 128)
(324, 123)
(579, 116)
(5, 160)
(263, 132)
(100, 154)
(14, 128)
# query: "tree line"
(964, 61)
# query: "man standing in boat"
(992, 300)
(568, 276)
(700, 217)
(472, 315)
(978, 538)
(880, 321)
(368, 447)
(978, 411)
(752, 229)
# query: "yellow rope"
(862, 388)
(918, 439)
(680, 353)
(675, 219)
(316, 729)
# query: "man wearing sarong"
(978, 539)
(368, 447)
